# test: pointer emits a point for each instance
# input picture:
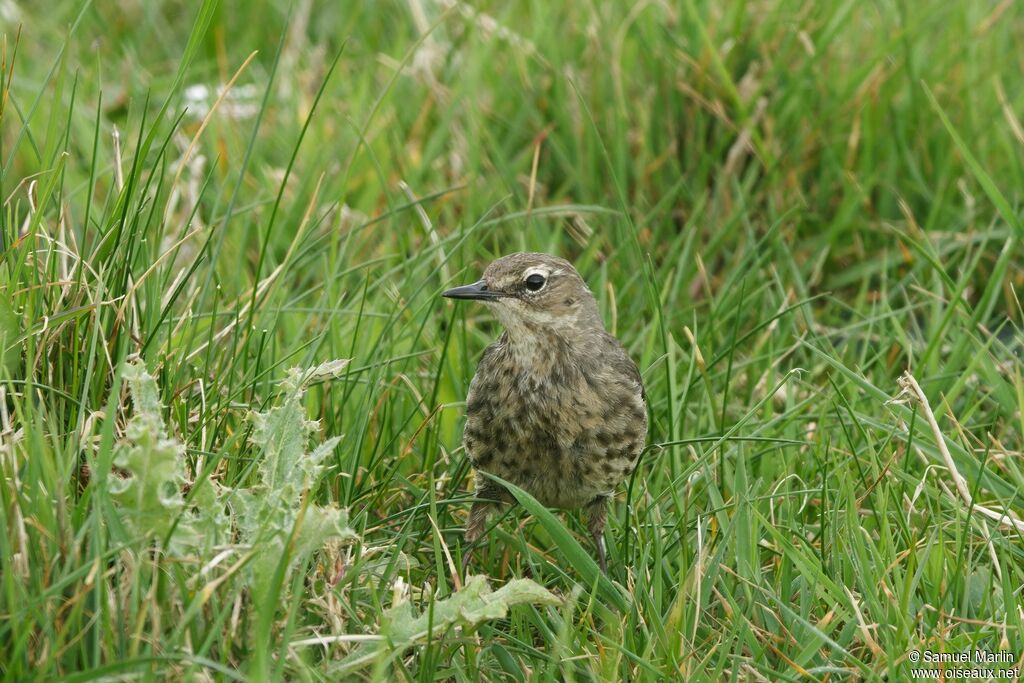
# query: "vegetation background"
(781, 206)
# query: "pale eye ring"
(534, 282)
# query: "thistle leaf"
(150, 497)
(474, 604)
(272, 511)
(329, 370)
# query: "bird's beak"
(477, 290)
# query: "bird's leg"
(489, 495)
(597, 515)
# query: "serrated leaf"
(282, 434)
(401, 628)
(321, 523)
(332, 369)
(271, 512)
(150, 496)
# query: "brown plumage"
(556, 406)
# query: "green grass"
(781, 208)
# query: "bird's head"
(530, 292)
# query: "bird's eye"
(535, 282)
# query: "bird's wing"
(624, 363)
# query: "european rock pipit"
(557, 406)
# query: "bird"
(556, 405)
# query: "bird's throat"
(544, 353)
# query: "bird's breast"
(563, 434)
